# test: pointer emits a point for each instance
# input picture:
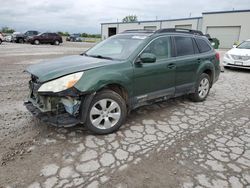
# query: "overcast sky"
(86, 16)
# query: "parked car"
(22, 37)
(45, 38)
(1, 38)
(75, 38)
(239, 56)
(8, 38)
(99, 87)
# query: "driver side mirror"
(148, 58)
(234, 46)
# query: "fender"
(206, 65)
(95, 79)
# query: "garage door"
(184, 26)
(226, 35)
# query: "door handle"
(171, 66)
(198, 60)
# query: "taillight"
(217, 56)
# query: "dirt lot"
(176, 143)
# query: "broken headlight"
(61, 84)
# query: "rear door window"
(202, 45)
(44, 35)
(184, 46)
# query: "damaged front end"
(62, 109)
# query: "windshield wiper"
(99, 56)
(84, 53)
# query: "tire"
(56, 42)
(101, 113)
(36, 42)
(20, 41)
(202, 88)
(1, 41)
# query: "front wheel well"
(118, 89)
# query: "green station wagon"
(137, 67)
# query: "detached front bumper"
(59, 120)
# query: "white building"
(228, 26)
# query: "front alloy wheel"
(106, 113)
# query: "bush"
(85, 35)
(217, 41)
(236, 43)
(63, 33)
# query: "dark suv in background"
(99, 87)
(22, 37)
(76, 37)
(45, 38)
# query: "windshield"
(244, 45)
(119, 47)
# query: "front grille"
(240, 58)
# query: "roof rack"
(138, 31)
(179, 30)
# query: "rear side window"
(202, 45)
(184, 46)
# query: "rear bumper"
(58, 120)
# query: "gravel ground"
(176, 143)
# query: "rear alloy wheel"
(56, 42)
(36, 42)
(202, 88)
(106, 113)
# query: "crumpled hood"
(51, 69)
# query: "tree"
(7, 30)
(63, 33)
(130, 18)
(84, 35)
